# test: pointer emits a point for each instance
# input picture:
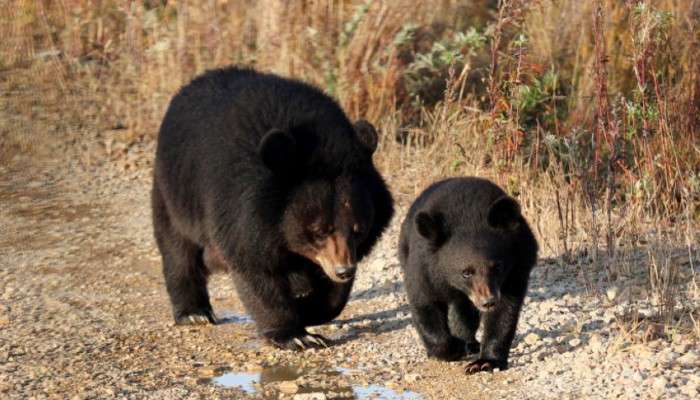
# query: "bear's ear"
(504, 213)
(367, 135)
(431, 227)
(277, 150)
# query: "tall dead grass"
(588, 112)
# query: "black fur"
(466, 253)
(247, 164)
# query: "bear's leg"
(325, 303)
(300, 284)
(499, 331)
(432, 326)
(183, 269)
(463, 320)
(269, 300)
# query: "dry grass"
(586, 111)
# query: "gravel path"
(84, 314)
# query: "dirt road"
(84, 314)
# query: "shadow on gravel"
(378, 291)
(379, 315)
(374, 323)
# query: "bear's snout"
(345, 272)
(336, 258)
(489, 302)
(484, 297)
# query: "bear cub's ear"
(367, 135)
(504, 213)
(431, 226)
(277, 150)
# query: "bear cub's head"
(328, 214)
(475, 253)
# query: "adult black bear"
(466, 253)
(267, 178)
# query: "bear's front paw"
(196, 318)
(484, 364)
(452, 349)
(301, 342)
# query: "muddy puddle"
(330, 383)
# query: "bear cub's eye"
(468, 272)
(356, 228)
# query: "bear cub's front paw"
(484, 364)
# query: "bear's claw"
(307, 341)
(196, 319)
(482, 365)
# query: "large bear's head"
(328, 209)
(474, 253)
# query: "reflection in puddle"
(333, 383)
(382, 392)
(228, 317)
(243, 381)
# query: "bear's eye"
(356, 228)
(319, 232)
(468, 272)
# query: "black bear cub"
(466, 253)
(266, 178)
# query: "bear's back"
(236, 102)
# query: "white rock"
(595, 343)
(288, 387)
(659, 383)
(531, 338)
(691, 389)
(310, 396)
(689, 359)
(637, 377)
(411, 378)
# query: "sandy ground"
(84, 314)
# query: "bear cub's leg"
(463, 320)
(499, 331)
(432, 325)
